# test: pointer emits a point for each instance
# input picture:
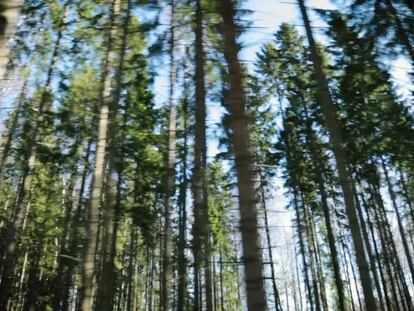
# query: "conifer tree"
(336, 138)
(239, 137)
(90, 248)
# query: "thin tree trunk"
(371, 256)
(221, 279)
(348, 252)
(318, 261)
(236, 268)
(74, 234)
(21, 293)
(196, 290)
(377, 253)
(132, 256)
(14, 228)
(182, 269)
(386, 253)
(166, 278)
(298, 282)
(326, 213)
(35, 287)
(336, 139)
(62, 260)
(33, 284)
(302, 249)
(312, 257)
(92, 222)
(348, 277)
(152, 272)
(408, 201)
(278, 305)
(201, 217)
(399, 221)
(388, 236)
(236, 103)
(213, 278)
(106, 288)
(106, 282)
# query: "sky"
(266, 16)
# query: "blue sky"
(267, 15)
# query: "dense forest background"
(145, 165)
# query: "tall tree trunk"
(337, 142)
(348, 252)
(131, 271)
(32, 136)
(106, 287)
(407, 198)
(388, 236)
(33, 282)
(62, 259)
(278, 305)
(297, 275)
(92, 222)
(372, 257)
(201, 217)
(385, 249)
(166, 278)
(196, 289)
(221, 278)
(318, 261)
(326, 213)
(347, 276)
(35, 288)
(22, 281)
(302, 248)
(311, 249)
(106, 277)
(8, 21)
(74, 235)
(399, 220)
(238, 122)
(376, 250)
(182, 241)
(290, 159)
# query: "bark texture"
(240, 141)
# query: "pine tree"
(200, 191)
(170, 172)
(90, 248)
(235, 103)
(336, 138)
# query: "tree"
(170, 171)
(336, 139)
(92, 222)
(236, 102)
(200, 191)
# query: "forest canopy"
(146, 165)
